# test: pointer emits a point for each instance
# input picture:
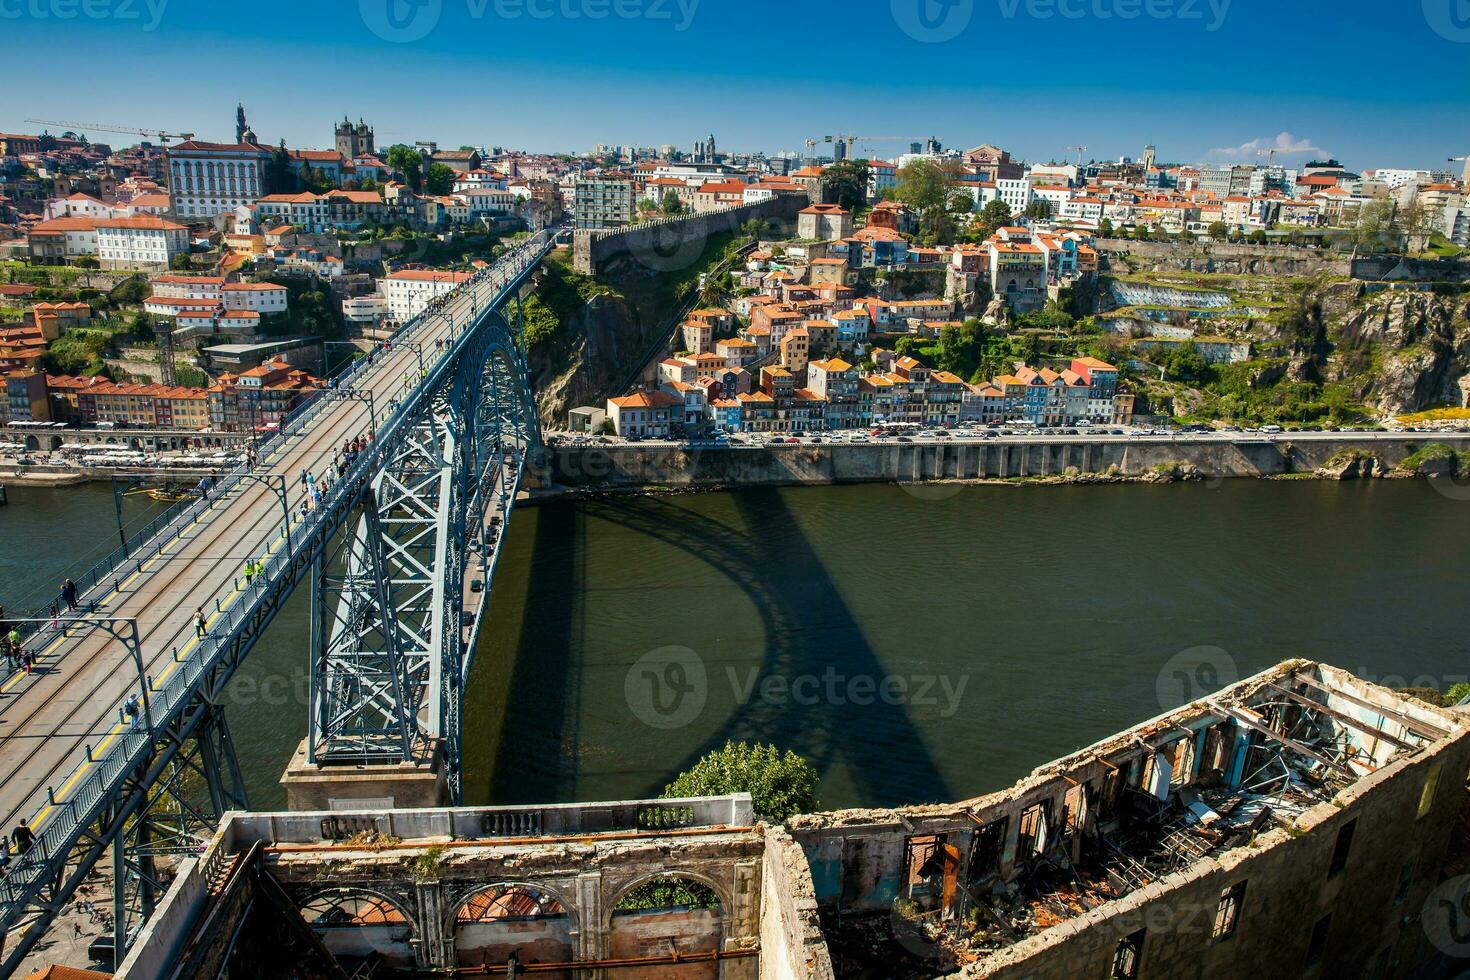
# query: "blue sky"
(1374, 84)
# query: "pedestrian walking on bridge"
(200, 625)
(69, 594)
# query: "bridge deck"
(84, 678)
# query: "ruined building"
(1295, 824)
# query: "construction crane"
(1080, 150)
(811, 144)
(1466, 161)
(78, 127)
(1270, 156)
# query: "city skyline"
(1204, 84)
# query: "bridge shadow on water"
(537, 748)
(808, 626)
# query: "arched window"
(665, 893)
(347, 908)
(502, 903)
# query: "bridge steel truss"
(413, 509)
(390, 652)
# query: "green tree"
(140, 328)
(846, 183)
(180, 262)
(1375, 222)
(755, 229)
(440, 178)
(131, 292)
(1039, 209)
(671, 203)
(315, 179)
(280, 172)
(996, 214)
(1185, 362)
(1419, 223)
(1219, 231)
(406, 163)
(75, 353)
(780, 786)
(1105, 228)
(1257, 237)
(928, 187)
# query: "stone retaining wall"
(676, 466)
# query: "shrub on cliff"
(1434, 458)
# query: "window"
(1340, 851)
(1406, 878)
(1227, 913)
(1031, 832)
(1127, 956)
(1318, 944)
(1426, 798)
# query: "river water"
(915, 644)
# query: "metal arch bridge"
(118, 744)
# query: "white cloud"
(1285, 144)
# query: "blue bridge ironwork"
(118, 745)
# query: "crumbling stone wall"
(659, 241)
(1404, 814)
(792, 947)
(430, 882)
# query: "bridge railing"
(480, 823)
(97, 780)
(108, 572)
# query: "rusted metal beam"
(1348, 720)
(712, 956)
(1250, 719)
(1422, 728)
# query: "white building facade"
(206, 179)
(409, 292)
(142, 242)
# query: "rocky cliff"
(1417, 347)
(599, 343)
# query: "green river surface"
(916, 644)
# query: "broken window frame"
(1227, 912)
(1128, 956)
(1181, 762)
(919, 851)
(988, 847)
(1033, 829)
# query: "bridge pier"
(314, 786)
